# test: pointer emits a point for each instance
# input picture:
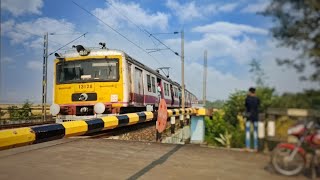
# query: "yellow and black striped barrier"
(36, 134)
(177, 112)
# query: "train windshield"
(89, 70)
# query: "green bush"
(238, 138)
(215, 127)
(218, 127)
(233, 107)
(20, 113)
(2, 113)
(266, 96)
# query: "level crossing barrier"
(36, 134)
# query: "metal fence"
(277, 122)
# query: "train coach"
(100, 81)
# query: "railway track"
(117, 132)
(138, 132)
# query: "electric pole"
(205, 78)
(44, 77)
(182, 71)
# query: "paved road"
(112, 159)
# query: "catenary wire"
(115, 30)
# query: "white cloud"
(224, 43)
(219, 85)
(20, 7)
(229, 29)
(282, 78)
(26, 34)
(228, 7)
(256, 7)
(6, 26)
(186, 11)
(190, 10)
(112, 15)
(34, 65)
(241, 51)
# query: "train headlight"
(99, 108)
(54, 109)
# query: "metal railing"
(277, 121)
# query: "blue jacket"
(252, 108)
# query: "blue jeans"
(255, 134)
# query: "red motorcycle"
(291, 158)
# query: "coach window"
(175, 92)
(149, 82)
(153, 84)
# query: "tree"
(297, 27)
(13, 112)
(20, 113)
(309, 99)
(218, 104)
(258, 73)
(234, 106)
(266, 96)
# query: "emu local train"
(99, 82)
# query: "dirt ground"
(115, 159)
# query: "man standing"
(159, 91)
(252, 104)
(179, 95)
(172, 95)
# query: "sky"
(232, 31)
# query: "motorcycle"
(291, 158)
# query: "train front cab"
(84, 85)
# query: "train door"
(138, 86)
(159, 84)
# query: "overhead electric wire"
(62, 34)
(115, 30)
(143, 30)
(36, 35)
(118, 33)
(68, 43)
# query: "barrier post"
(198, 126)
(173, 124)
(271, 132)
(261, 132)
(187, 119)
(181, 120)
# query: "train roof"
(72, 53)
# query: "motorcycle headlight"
(99, 108)
(54, 109)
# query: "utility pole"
(44, 76)
(182, 71)
(205, 78)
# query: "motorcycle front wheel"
(284, 165)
